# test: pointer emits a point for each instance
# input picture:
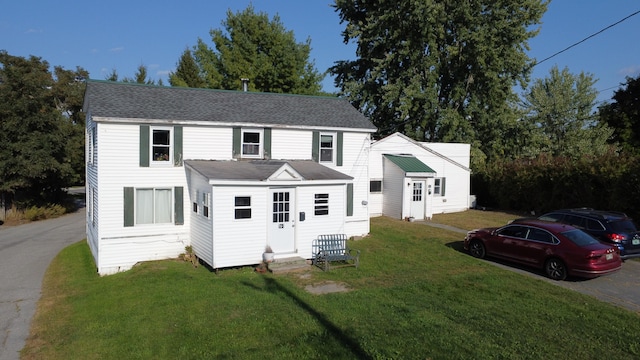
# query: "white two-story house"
(223, 171)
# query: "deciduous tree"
(438, 70)
(623, 115)
(561, 108)
(34, 163)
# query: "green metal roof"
(409, 164)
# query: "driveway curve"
(25, 254)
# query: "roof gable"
(107, 99)
(420, 145)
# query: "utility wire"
(585, 39)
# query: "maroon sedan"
(558, 249)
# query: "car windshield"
(623, 226)
(580, 237)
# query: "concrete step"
(284, 265)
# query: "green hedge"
(609, 182)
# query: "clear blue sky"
(121, 35)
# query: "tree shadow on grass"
(334, 331)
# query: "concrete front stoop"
(284, 265)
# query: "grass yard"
(415, 296)
(474, 219)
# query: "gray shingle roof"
(135, 101)
(261, 170)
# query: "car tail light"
(594, 256)
(615, 237)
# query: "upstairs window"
(326, 147)
(161, 145)
(251, 143)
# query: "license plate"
(609, 256)
(635, 241)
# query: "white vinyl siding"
(238, 242)
(121, 247)
(449, 161)
(291, 144)
(393, 189)
(212, 143)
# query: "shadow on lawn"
(340, 336)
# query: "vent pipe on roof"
(245, 84)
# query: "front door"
(417, 199)
(282, 220)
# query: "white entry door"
(417, 199)
(282, 220)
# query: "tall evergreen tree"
(623, 115)
(34, 164)
(437, 70)
(141, 77)
(112, 76)
(262, 50)
(187, 73)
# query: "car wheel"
(476, 249)
(555, 269)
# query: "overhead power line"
(587, 38)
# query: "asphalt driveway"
(25, 254)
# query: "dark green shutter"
(128, 207)
(339, 150)
(144, 146)
(442, 182)
(315, 149)
(178, 193)
(349, 199)
(267, 143)
(236, 143)
(177, 145)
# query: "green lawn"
(415, 296)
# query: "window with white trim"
(327, 146)
(438, 186)
(375, 186)
(321, 204)
(154, 205)
(251, 143)
(243, 207)
(206, 198)
(161, 145)
(92, 156)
